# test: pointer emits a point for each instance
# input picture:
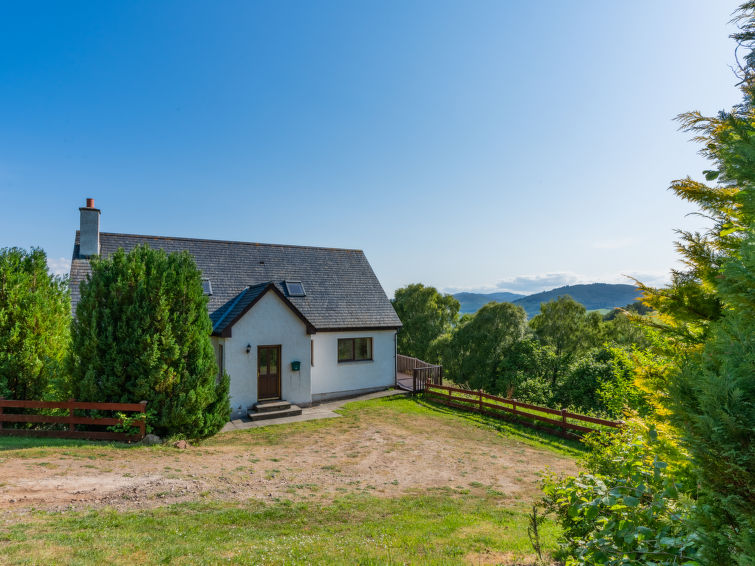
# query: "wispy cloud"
(59, 265)
(536, 283)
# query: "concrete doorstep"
(324, 410)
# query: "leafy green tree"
(427, 316)
(479, 348)
(621, 330)
(35, 314)
(565, 326)
(637, 307)
(142, 332)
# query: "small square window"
(206, 287)
(354, 349)
(295, 289)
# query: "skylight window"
(295, 289)
(206, 287)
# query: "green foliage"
(622, 330)
(130, 422)
(567, 357)
(142, 332)
(427, 316)
(637, 307)
(713, 406)
(699, 363)
(480, 346)
(627, 508)
(35, 313)
(565, 326)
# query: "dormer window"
(206, 287)
(295, 289)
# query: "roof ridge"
(230, 242)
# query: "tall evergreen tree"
(714, 405)
(35, 313)
(711, 308)
(142, 332)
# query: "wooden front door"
(268, 372)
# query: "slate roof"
(342, 291)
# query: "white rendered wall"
(268, 323)
(330, 376)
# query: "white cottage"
(296, 324)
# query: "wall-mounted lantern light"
(248, 348)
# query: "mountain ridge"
(591, 295)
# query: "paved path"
(322, 411)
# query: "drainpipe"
(395, 359)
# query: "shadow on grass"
(418, 404)
(509, 428)
(24, 442)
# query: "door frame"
(280, 372)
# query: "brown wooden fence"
(561, 422)
(413, 374)
(72, 419)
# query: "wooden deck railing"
(419, 371)
(564, 424)
(72, 419)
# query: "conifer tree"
(713, 313)
(714, 405)
(142, 332)
(35, 313)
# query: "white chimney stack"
(89, 232)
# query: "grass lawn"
(326, 507)
(438, 527)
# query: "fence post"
(513, 404)
(480, 392)
(563, 420)
(71, 426)
(414, 380)
(143, 422)
(1, 412)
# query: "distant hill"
(593, 296)
(472, 302)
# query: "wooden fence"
(420, 372)
(72, 419)
(560, 422)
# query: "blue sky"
(466, 145)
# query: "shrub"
(628, 508)
(142, 332)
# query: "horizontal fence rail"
(566, 423)
(72, 419)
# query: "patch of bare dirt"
(501, 559)
(382, 453)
